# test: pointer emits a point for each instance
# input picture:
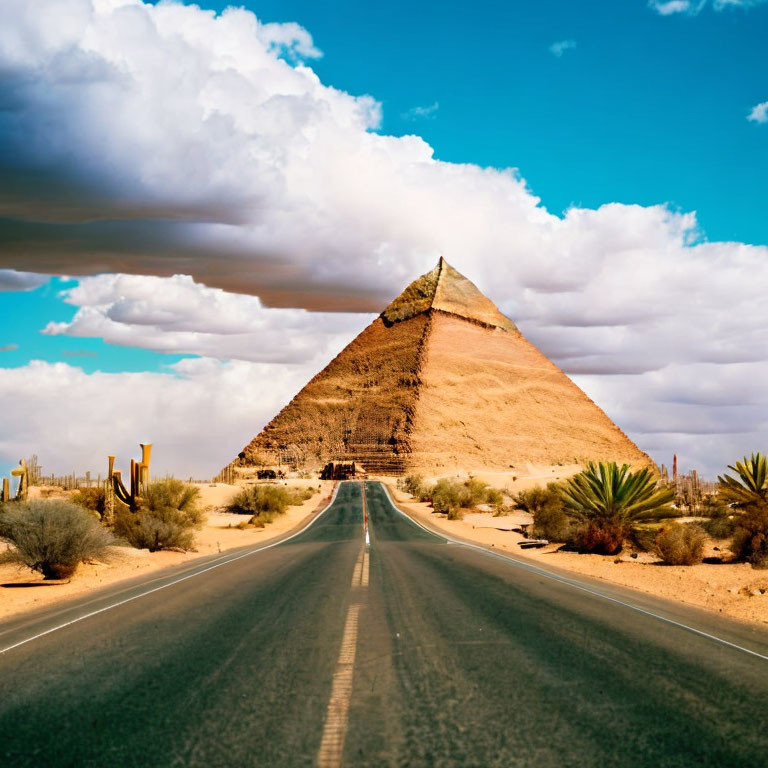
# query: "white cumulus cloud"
(425, 112)
(694, 7)
(759, 113)
(201, 152)
(560, 47)
(199, 415)
(178, 315)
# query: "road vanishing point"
(408, 650)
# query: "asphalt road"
(412, 652)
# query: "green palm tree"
(609, 501)
(751, 485)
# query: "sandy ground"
(734, 589)
(526, 476)
(23, 590)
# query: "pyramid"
(440, 382)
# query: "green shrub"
(494, 497)
(721, 521)
(300, 495)
(413, 484)
(720, 527)
(713, 506)
(451, 497)
(92, 499)
(167, 517)
(607, 502)
(532, 500)
(266, 502)
(549, 519)
(447, 498)
(750, 536)
(680, 544)
(52, 536)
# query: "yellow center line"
(335, 730)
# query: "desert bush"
(721, 520)
(452, 497)
(494, 497)
(680, 544)
(266, 502)
(750, 536)
(92, 499)
(52, 536)
(413, 484)
(417, 487)
(475, 492)
(167, 517)
(713, 506)
(546, 507)
(447, 498)
(534, 499)
(607, 502)
(721, 527)
(549, 519)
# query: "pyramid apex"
(445, 289)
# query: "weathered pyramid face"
(445, 290)
(440, 382)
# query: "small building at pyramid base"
(440, 383)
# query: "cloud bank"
(178, 316)
(202, 154)
(196, 415)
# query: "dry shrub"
(52, 536)
(452, 497)
(721, 526)
(447, 498)
(92, 499)
(413, 484)
(601, 538)
(680, 544)
(750, 536)
(167, 517)
(549, 518)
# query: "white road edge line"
(176, 581)
(575, 585)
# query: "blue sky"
(644, 109)
(595, 103)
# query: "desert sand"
(23, 590)
(733, 589)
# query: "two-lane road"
(412, 652)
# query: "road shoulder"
(731, 590)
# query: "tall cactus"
(22, 491)
(138, 481)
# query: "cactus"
(23, 488)
(138, 482)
